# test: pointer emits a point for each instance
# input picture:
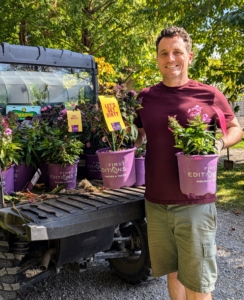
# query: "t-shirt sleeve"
(221, 102)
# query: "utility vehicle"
(70, 231)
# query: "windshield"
(44, 85)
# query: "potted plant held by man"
(197, 161)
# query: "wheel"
(136, 268)
(8, 270)
(16, 257)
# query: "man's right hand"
(219, 145)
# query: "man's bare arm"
(140, 138)
(234, 133)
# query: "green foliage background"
(124, 33)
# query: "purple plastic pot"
(140, 170)
(197, 174)
(22, 175)
(117, 167)
(8, 180)
(59, 175)
(93, 170)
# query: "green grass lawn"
(230, 184)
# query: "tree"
(124, 33)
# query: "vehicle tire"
(136, 268)
(14, 259)
(8, 270)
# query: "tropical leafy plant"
(196, 138)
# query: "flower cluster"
(196, 139)
(9, 153)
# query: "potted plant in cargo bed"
(140, 153)
(117, 162)
(27, 133)
(59, 148)
(92, 138)
(197, 161)
(9, 151)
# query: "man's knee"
(173, 275)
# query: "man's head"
(174, 55)
(175, 31)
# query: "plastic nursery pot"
(197, 174)
(22, 175)
(44, 176)
(93, 170)
(8, 180)
(117, 167)
(59, 175)
(140, 170)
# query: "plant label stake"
(74, 121)
(112, 115)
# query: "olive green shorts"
(182, 238)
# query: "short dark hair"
(175, 31)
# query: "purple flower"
(117, 87)
(205, 118)
(104, 139)
(64, 111)
(133, 92)
(195, 111)
(44, 108)
(88, 145)
(8, 131)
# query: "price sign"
(74, 121)
(111, 112)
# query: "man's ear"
(191, 55)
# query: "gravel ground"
(99, 282)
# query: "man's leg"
(178, 292)
(190, 295)
(176, 289)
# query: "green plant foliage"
(9, 149)
(196, 138)
(124, 33)
(57, 145)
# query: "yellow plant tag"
(111, 112)
(74, 121)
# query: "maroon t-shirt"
(159, 102)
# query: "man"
(181, 231)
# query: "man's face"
(173, 61)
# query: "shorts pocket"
(209, 269)
(209, 250)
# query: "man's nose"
(171, 57)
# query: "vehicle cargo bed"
(74, 213)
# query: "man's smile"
(170, 67)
